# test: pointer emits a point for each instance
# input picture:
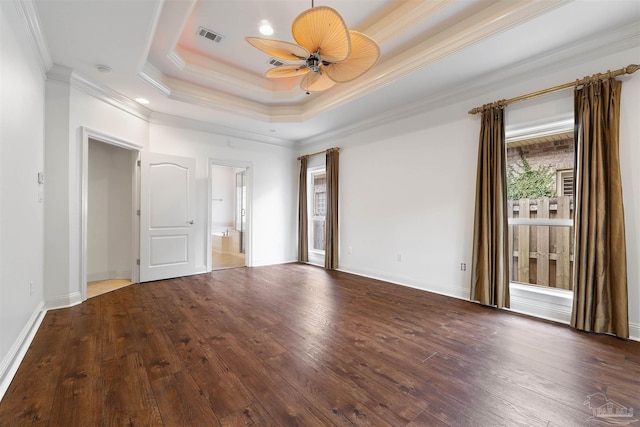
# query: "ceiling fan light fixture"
(313, 62)
(330, 52)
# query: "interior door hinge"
(138, 212)
(137, 262)
(139, 163)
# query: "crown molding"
(110, 97)
(27, 11)
(60, 73)
(113, 98)
(232, 79)
(488, 22)
(582, 51)
(176, 59)
(403, 18)
(153, 77)
(585, 50)
(181, 90)
(197, 125)
(215, 100)
(98, 91)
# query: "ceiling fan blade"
(316, 82)
(287, 71)
(364, 54)
(322, 28)
(279, 49)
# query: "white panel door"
(167, 243)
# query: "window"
(318, 182)
(540, 208)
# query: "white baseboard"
(63, 301)
(16, 353)
(548, 304)
(264, 263)
(106, 275)
(446, 290)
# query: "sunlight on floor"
(227, 260)
(103, 286)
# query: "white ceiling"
(428, 48)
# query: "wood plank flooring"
(295, 345)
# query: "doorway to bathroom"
(229, 216)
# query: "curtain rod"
(629, 69)
(319, 152)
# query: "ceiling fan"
(329, 51)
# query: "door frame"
(248, 166)
(86, 134)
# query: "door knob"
(190, 222)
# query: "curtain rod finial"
(632, 68)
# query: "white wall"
(21, 213)
(407, 188)
(223, 196)
(68, 110)
(407, 202)
(273, 197)
(109, 212)
(629, 161)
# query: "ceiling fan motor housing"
(313, 62)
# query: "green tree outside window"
(525, 182)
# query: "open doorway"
(109, 200)
(229, 214)
(110, 231)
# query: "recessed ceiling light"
(103, 68)
(265, 28)
(143, 101)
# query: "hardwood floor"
(295, 345)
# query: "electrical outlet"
(350, 250)
(399, 257)
(30, 288)
(463, 266)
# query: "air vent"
(208, 34)
(276, 62)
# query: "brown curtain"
(600, 291)
(490, 262)
(331, 224)
(303, 238)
